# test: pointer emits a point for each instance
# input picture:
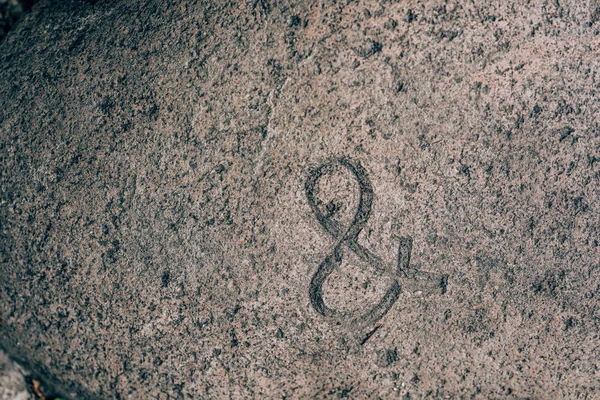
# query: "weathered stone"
(12, 381)
(170, 172)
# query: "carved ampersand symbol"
(347, 239)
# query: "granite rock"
(262, 199)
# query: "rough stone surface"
(157, 240)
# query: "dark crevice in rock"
(10, 12)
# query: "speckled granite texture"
(328, 199)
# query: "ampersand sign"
(347, 239)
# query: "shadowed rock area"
(10, 12)
(327, 199)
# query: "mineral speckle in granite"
(157, 238)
